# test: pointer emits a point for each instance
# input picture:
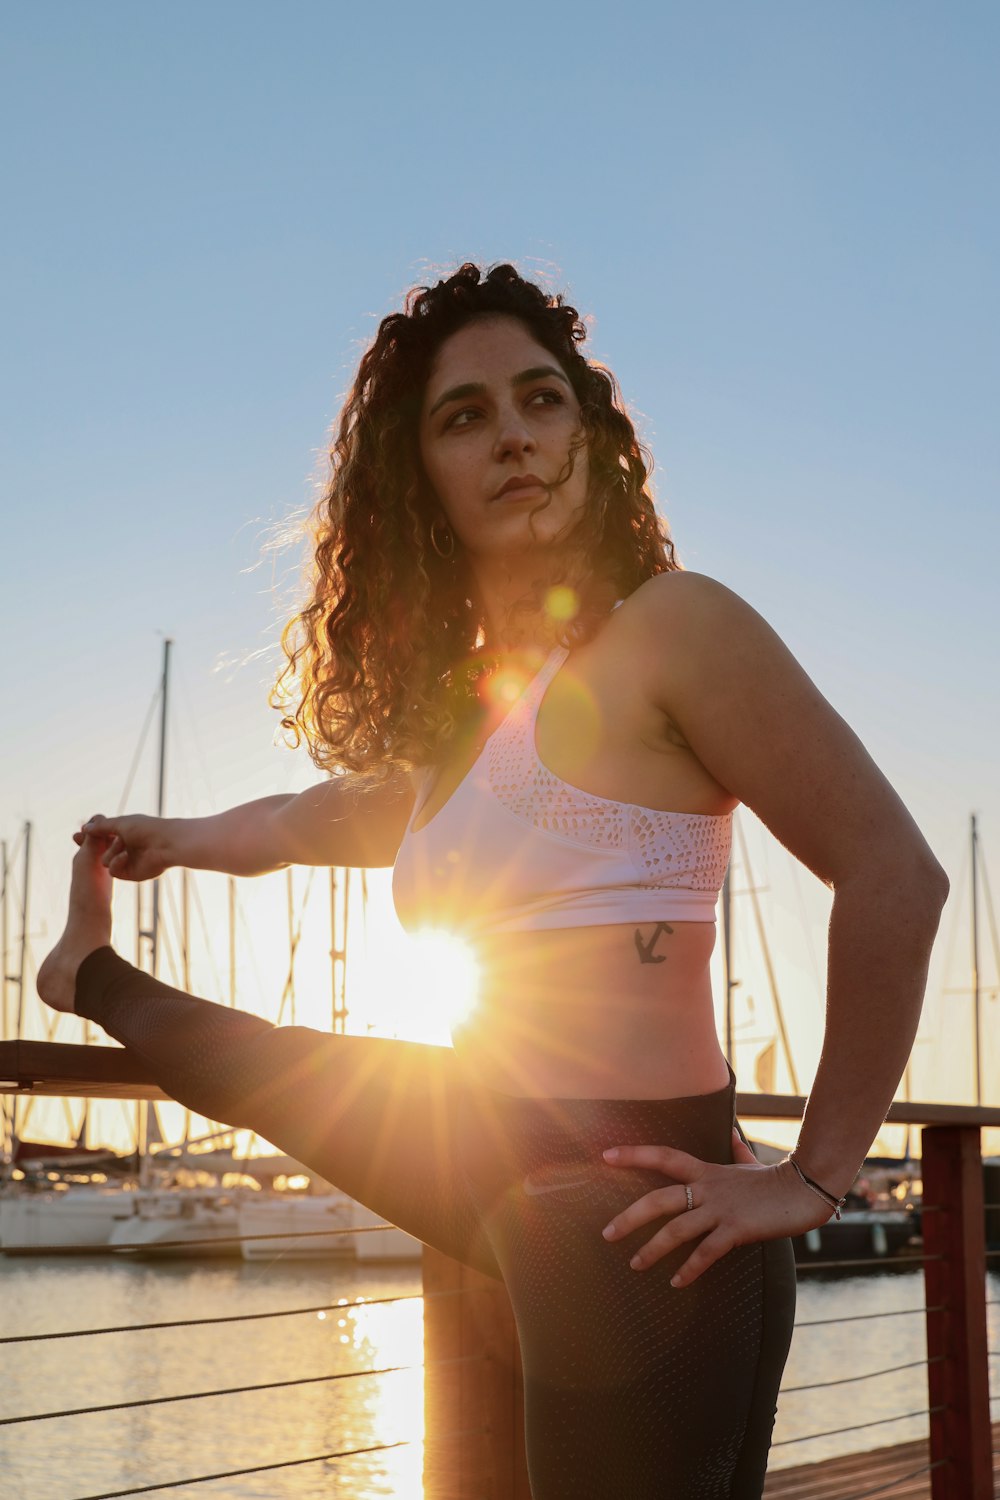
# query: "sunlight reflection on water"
(84, 1456)
(78, 1456)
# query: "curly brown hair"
(383, 661)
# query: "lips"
(519, 482)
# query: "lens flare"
(504, 687)
(562, 603)
(446, 975)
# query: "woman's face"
(498, 420)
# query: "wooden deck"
(881, 1472)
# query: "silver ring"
(689, 1195)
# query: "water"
(71, 1458)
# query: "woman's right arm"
(334, 823)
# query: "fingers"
(665, 1200)
(742, 1153)
(693, 1206)
(665, 1159)
(685, 1224)
(712, 1248)
(97, 827)
(116, 856)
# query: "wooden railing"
(473, 1383)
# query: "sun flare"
(444, 979)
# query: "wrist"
(833, 1200)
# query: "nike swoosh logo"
(535, 1189)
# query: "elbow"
(913, 874)
(938, 883)
(926, 884)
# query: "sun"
(416, 986)
(444, 978)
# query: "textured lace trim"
(669, 849)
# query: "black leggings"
(632, 1387)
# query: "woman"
(545, 726)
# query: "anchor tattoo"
(645, 950)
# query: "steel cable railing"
(807, 1437)
(866, 1262)
(288, 1463)
(821, 1385)
(192, 1243)
(892, 1312)
(901, 1260)
(907, 1261)
(340, 1305)
(283, 1312)
(234, 1390)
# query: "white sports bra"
(516, 849)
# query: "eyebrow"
(477, 388)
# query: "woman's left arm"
(758, 724)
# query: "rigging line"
(139, 749)
(990, 912)
(248, 935)
(765, 947)
(13, 852)
(233, 1390)
(806, 929)
(821, 1385)
(210, 953)
(927, 1411)
(956, 913)
(293, 946)
(283, 1312)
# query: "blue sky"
(782, 218)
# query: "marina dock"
(901, 1472)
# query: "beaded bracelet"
(828, 1198)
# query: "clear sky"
(783, 220)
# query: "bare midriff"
(609, 1012)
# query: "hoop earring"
(436, 544)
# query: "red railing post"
(955, 1283)
(477, 1392)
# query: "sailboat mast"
(4, 936)
(977, 999)
(160, 791)
(5, 1135)
(24, 928)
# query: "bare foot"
(88, 926)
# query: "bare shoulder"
(685, 630)
(756, 721)
(686, 602)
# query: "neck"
(516, 602)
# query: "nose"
(514, 436)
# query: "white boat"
(292, 1225)
(61, 1221)
(381, 1244)
(178, 1222)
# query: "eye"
(462, 418)
(548, 397)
